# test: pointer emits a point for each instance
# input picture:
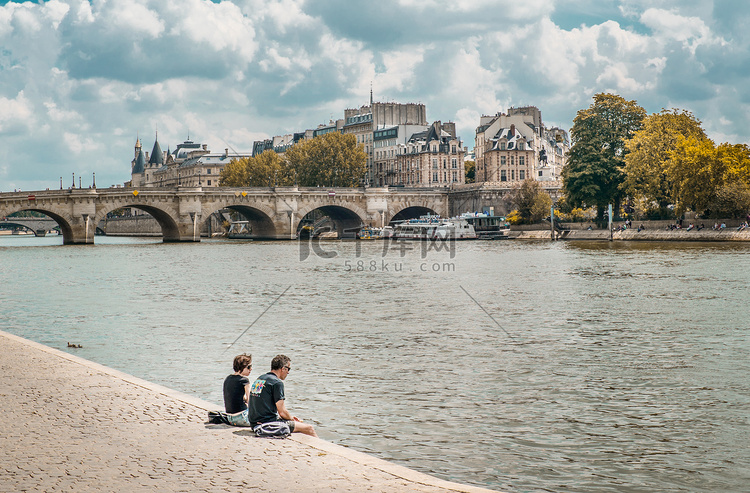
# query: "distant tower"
(370, 93)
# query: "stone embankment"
(72, 425)
(635, 235)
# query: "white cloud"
(60, 115)
(668, 25)
(16, 115)
(55, 11)
(222, 26)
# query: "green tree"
(731, 200)
(330, 160)
(649, 151)
(469, 171)
(593, 174)
(531, 201)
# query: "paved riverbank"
(635, 235)
(69, 424)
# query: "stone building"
(513, 147)
(190, 165)
(431, 158)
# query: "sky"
(81, 80)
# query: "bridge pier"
(80, 230)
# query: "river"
(522, 366)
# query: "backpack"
(272, 429)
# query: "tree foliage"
(594, 173)
(650, 151)
(265, 170)
(708, 178)
(531, 201)
(469, 171)
(330, 160)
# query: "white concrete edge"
(316, 443)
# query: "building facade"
(190, 165)
(515, 146)
(430, 158)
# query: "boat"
(434, 228)
(370, 233)
(488, 227)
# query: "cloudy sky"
(80, 80)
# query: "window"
(541, 173)
(502, 161)
(435, 176)
(208, 171)
(503, 177)
(455, 176)
(512, 174)
(454, 163)
(434, 164)
(521, 146)
(209, 181)
(502, 146)
(445, 163)
(453, 149)
(522, 175)
(521, 160)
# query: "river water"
(522, 366)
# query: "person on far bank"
(267, 402)
(237, 391)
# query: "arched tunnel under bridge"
(330, 221)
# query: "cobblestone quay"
(69, 424)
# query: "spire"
(157, 156)
(370, 93)
(140, 163)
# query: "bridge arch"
(64, 222)
(347, 218)
(259, 215)
(412, 212)
(166, 220)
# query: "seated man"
(266, 402)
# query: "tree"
(731, 200)
(265, 170)
(234, 174)
(593, 174)
(694, 172)
(650, 150)
(330, 160)
(469, 171)
(708, 178)
(531, 201)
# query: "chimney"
(512, 129)
(226, 152)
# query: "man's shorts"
(291, 425)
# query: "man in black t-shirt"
(266, 402)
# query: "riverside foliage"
(661, 164)
(330, 160)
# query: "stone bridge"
(274, 213)
(38, 225)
